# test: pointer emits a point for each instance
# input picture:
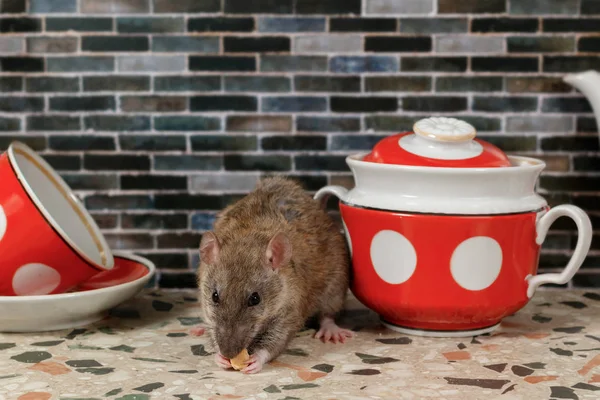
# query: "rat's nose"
(230, 343)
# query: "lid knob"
(444, 129)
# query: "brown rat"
(274, 259)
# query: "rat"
(274, 259)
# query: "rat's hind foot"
(222, 361)
(256, 362)
(330, 331)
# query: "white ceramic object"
(588, 83)
(69, 310)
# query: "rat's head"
(241, 286)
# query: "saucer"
(88, 303)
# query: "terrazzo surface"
(146, 349)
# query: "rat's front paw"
(256, 362)
(222, 361)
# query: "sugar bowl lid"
(438, 142)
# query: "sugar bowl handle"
(584, 239)
(323, 194)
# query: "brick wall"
(161, 112)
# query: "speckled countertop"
(145, 350)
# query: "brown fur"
(313, 283)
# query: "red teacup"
(48, 241)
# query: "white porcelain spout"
(588, 83)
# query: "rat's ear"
(279, 251)
(209, 248)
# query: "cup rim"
(106, 256)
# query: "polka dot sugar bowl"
(445, 230)
(48, 241)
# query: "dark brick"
(153, 182)
(321, 163)
(327, 6)
(187, 123)
(471, 6)
(259, 123)
(223, 103)
(363, 25)
(357, 64)
(545, 7)
(106, 221)
(259, 6)
(328, 124)
(586, 201)
(551, 44)
(37, 143)
(586, 280)
(129, 240)
(11, 84)
(504, 64)
(363, 104)
(222, 63)
(10, 124)
(504, 24)
(590, 7)
(187, 83)
(81, 143)
(97, 162)
(220, 24)
(257, 84)
(116, 83)
(54, 84)
(168, 260)
(513, 143)
(468, 84)
(21, 104)
(21, 64)
(527, 84)
(389, 123)
(483, 123)
(570, 183)
(152, 142)
(223, 143)
(570, 25)
(179, 240)
(308, 182)
(504, 104)
(276, 63)
(186, 6)
(82, 103)
(256, 44)
(20, 25)
(194, 44)
(117, 123)
(150, 24)
(570, 143)
(203, 221)
(430, 103)
(570, 63)
(118, 202)
(586, 124)
(397, 44)
(51, 44)
(13, 7)
(153, 103)
(114, 43)
(63, 24)
(154, 221)
(586, 163)
(566, 105)
(397, 83)
(179, 280)
(326, 83)
(294, 143)
(437, 64)
(354, 142)
(187, 202)
(286, 24)
(433, 25)
(52, 123)
(91, 182)
(188, 163)
(249, 162)
(294, 104)
(591, 44)
(81, 64)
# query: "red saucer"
(124, 271)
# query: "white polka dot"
(35, 279)
(393, 256)
(348, 239)
(476, 263)
(2, 223)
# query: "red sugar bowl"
(445, 230)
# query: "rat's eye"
(215, 297)
(254, 299)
